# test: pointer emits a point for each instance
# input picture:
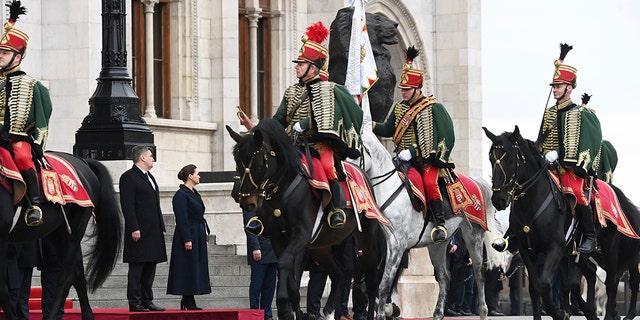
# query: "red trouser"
(326, 158)
(575, 186)
(430, 181)
(22, 155)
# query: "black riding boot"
(585, 216)
(337, 217)
(439, 232)
(33, 214)
(254, 226)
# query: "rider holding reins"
(423, 133)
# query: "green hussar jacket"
(326, 111)
(430, 137)
(574, 131)
(605, 162)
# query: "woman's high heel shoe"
(189, 304)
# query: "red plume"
(317, 32)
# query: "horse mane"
(274, 135)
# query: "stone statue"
(381, 31)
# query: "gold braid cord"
(572, 122)
(20, 105)
(549, 123)
(292, 96)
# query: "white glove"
(551, 156)
(297, 127)
(405, 155)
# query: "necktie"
(150, 181)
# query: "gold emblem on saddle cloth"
(51, 186)
(459, 197)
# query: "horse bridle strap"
(527, 227)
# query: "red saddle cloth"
(607, 205)
(60, 184)
(355, 184)
(465, 196)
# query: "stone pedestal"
(417, 288)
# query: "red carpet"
(170, 314)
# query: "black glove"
(37, 152)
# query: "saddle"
(464, 194)
(59, 183)
(356, 189)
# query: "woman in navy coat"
(189, 265)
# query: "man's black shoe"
(153, 307)
(494, 313)
(464, 313)
(450, 313)
(138, 308)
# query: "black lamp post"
(114, 124)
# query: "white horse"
(410, 230)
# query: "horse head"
(264, 157)
(255, 165)
(506, 166)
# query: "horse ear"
(234, 135)
(490, 135)
(258, 137)
(516, 130)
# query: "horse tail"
(630, 210)
(107, 229)
(494, 229)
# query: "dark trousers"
(263, 287)
(50, 281)
(315, 288)
(139, 283)
(19, 297)
(492, 287)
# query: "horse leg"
(438, 254)
(611, 283)
(391, 267)
(634, 283)
(551, 263)
(370, 244)
(9, 312)
(531, 263)
(475, 248)
(589, 271)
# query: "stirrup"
(339, 224)
(441, 228)
(500, 247)
(252, 228)
(37, 221)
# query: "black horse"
(274, 183)
(106, 238)
(540, 218)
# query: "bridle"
(265, 188)
(510, 184)
(514, 189)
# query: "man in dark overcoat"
(144, 245)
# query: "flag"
(362, 72)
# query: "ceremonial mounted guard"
(25, 106)
(423, 134)
(323, 115)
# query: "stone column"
(150, 109)
(253, 15)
